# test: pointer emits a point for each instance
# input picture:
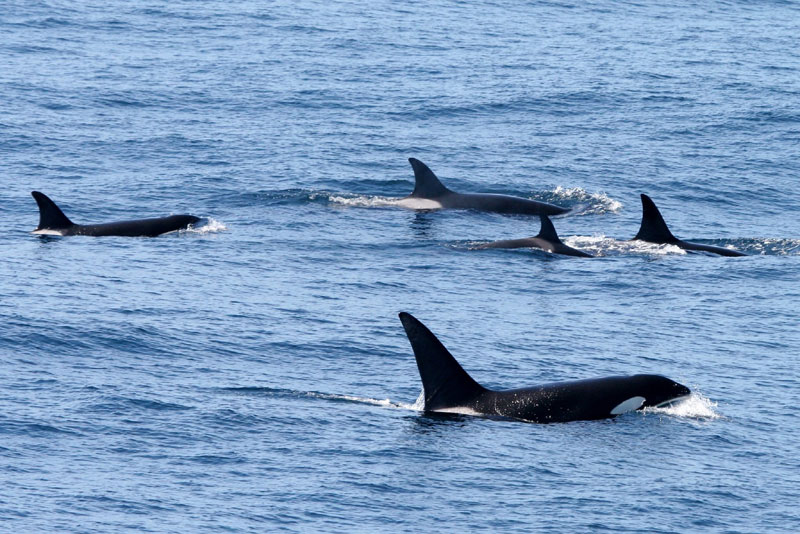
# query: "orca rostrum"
(429, 194)
(655, 230)
(52, 221)
(448, 388)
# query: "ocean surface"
(251, 375)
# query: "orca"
(446, 387)
(547, 239)
(52, 221)
(655, 230)
(430, 194)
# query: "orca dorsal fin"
(653, 228)
(50, 216)
(445, 383)
(426, 184)
(548, 231)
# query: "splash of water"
(211, 227)
(696, 406)
(419, 404)
(363, 201)
(593, 203)
(608, 246)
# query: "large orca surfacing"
(52, 221)
(429, 193)
(448, 388)
(547, 239)
(655, 230)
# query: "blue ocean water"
(250, 375)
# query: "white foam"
(366, 400)
(419, 404)
(211, 227)
(363, 201)
(606, 246)
(783, 247)
(386, 403)
(598, 202)
(696, 406)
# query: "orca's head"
(660, 391)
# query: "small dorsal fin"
(426, 184)
(50, 216)
(653, 228)
(445, 383)
(548, 231)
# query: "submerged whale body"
(655, 230)
(52, 221)
(547, 239)
(448, 388)
(429, 193)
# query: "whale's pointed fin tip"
(426, 184)
(548, 231)
(653, 228)
(445, 383)
(50, 216)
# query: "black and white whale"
(52, 221)
(430, 194)
(547, 239)
(448, 388)
(655, 230)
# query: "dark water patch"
(31, 49)
(44, 23)
(121, 101)
(290, 197)
(229, 418)
(666, 98)
(304, 29)
(120, 405)
(216, 459)
(565, 104)
(56, 106)
(23, 428)
(320, 99)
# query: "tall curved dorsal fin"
(653, 228)
(445, 383)
(548, 231)
(426, 184)
(50, 216)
